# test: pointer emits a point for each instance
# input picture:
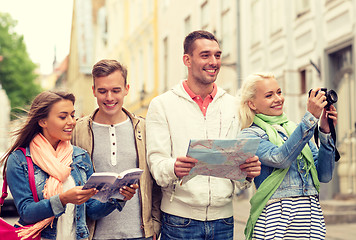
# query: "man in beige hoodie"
(194, 109)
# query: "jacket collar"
(180, 91)
(135, 120)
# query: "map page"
(220, 157)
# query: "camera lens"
(331, 97)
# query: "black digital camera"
(331, 96)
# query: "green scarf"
(272, 182)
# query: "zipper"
(209, 203)
(174, 190)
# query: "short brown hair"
(191, 37)
(106, 67)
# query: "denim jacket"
(31, 212)
(296, 182)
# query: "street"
(10, 217)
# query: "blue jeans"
(150, 238)
(178, 228)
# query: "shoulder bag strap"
(31, 175)
(4, 191)
(31, 178)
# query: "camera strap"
(333, 136)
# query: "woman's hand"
(316, 102)
(128, 192)
(332, 114)
(76, 195)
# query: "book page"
(101, 183)
(109, 184)
(129, 179)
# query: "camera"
(331, 96)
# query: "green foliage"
(17, 74)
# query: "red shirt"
(202, 103)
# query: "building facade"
(176, 20)
(305, 43)
(125, 30)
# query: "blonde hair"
(247, 93)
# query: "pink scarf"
(57, 164)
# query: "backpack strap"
(31, 178)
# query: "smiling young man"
(194, 109)
(115, 140)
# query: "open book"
(109, 183)
(220, 158)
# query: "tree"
(17, 71)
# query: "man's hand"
(183, 165)
(128, 192)
(252, 167)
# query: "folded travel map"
(220, 157)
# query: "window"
(256, 21)
(150, 60)
(303, 81)
(302, 6)
(165, 63)
(133, 78)
(187, 25)
(141, 73)
(205, 15)
(117, 22)
(225, 42)
(166, 3)
(225, 4)
(103, 25)
(275, 16)
(306, 79)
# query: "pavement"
(345, 231)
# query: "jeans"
(143, 238)
(178, 228)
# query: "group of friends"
(286, 170)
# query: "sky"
(46, 27)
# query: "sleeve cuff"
(309, 119)
(243, 185)
(172, 174)
(56, 205)
(325, 138)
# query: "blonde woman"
(286, 204)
